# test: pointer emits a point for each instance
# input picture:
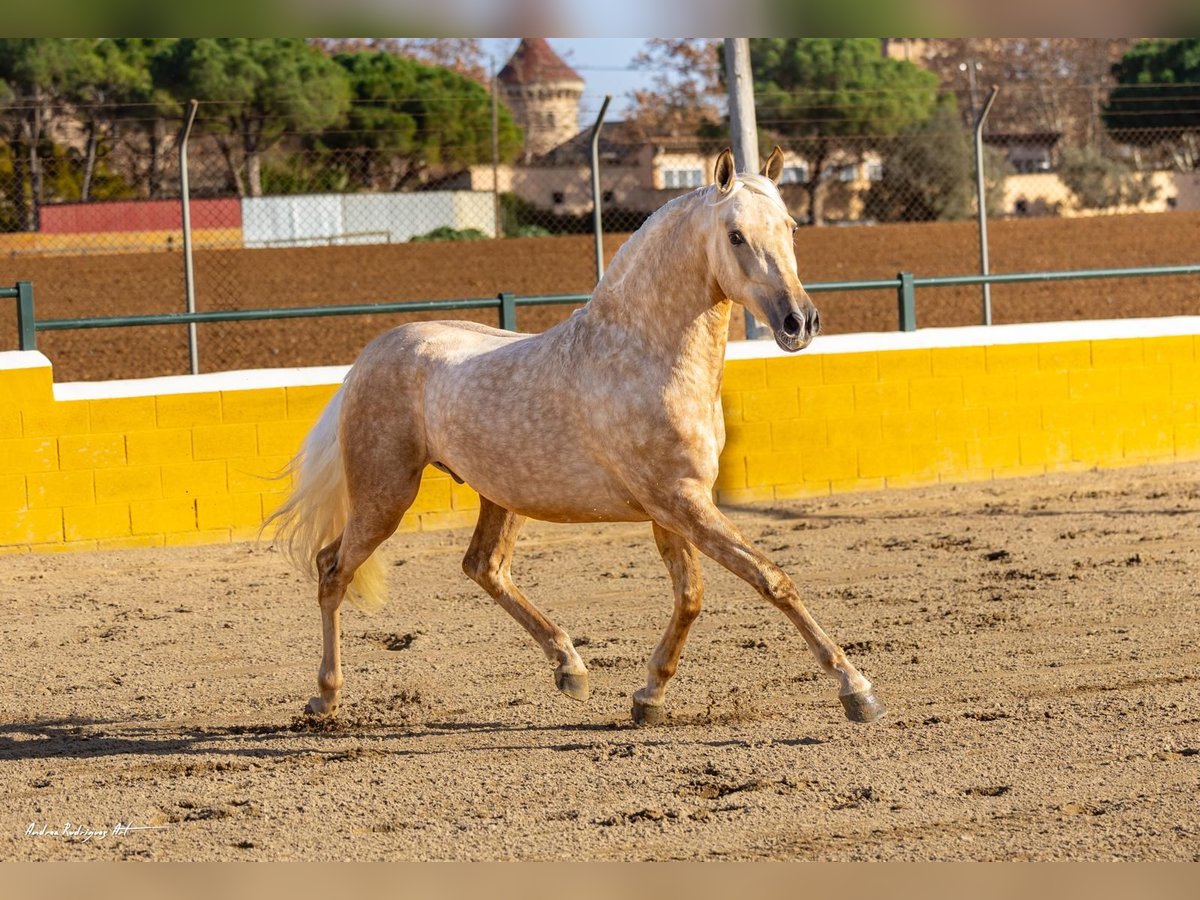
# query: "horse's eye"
(735, 238)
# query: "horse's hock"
(192, 459)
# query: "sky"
(605, 64)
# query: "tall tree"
(145, 111)
(257, 90)
(109, 78)
(38, 77)
(1047, 84)
(408, 119)
(831, 99)
(929, 173)
(685, 93)
(1156, 103)
(463, 55)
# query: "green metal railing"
(905, 285)
(504, 303)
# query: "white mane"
(708, 196)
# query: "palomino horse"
(613, 415)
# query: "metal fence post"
(508, 311)
(907, 297)
(981, 191)
(189, 278)
(597, 221)
(25, 318)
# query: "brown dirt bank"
(143, 283)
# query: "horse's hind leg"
(375, 513)
(684, 567)
(488, 562)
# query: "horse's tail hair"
(315, 513)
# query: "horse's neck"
(662, 302)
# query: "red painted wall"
(137, 215)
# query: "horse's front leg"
(684, 568)
(688, 511)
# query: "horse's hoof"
(648, 713)
(863, 706)
(319, 707)
(573, 684)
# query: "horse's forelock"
(756, 184)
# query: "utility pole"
(743, 128)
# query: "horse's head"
(752, 255)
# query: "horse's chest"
(694, 435)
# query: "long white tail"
(316, 512)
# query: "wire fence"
(96, 223)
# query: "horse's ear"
(723, 172)
(773, 167)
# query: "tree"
(144, 109)
(1047, 84)
(38, 77)
(686, 90)
(111, 77)
(462, 55)
(255, 90)
(1156, 103)
(408, 119)
(830, 99)
(1099, 182)
(928, 173)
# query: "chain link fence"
(95, 224)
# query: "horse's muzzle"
(798, 328)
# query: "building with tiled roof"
(543, 93)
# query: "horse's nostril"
(815, 322)
(792, 325)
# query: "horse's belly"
(532, 462)
(551, 489)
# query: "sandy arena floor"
(1037, 641)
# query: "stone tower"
(543, 93)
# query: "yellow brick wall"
(161, 470)
(199, 467)
(895, 418)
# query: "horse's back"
(385, 391)
(425, 343)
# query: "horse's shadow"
(1017, 511)
(85, 738)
